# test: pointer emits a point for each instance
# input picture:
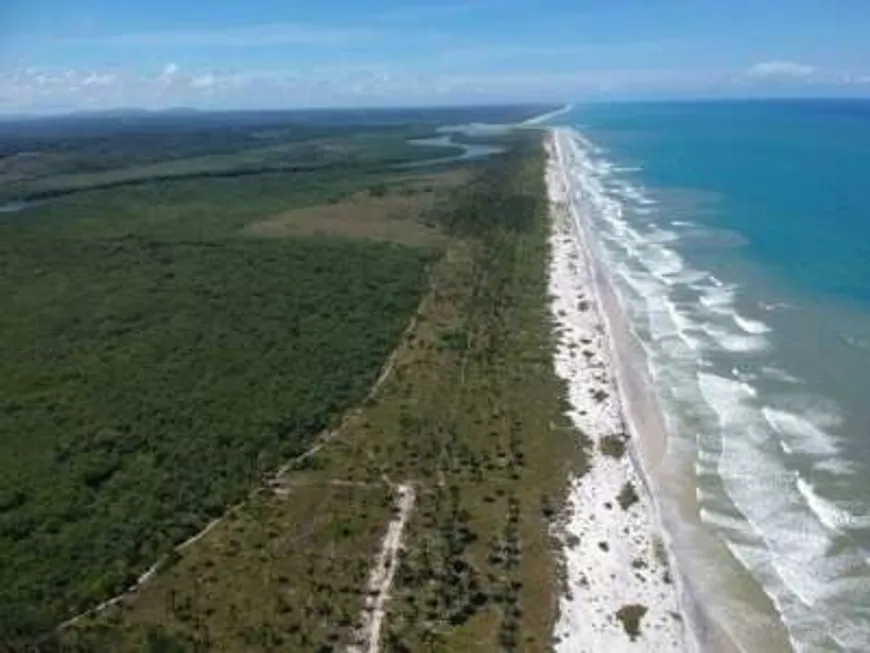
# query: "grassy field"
(158, 360)
(469, 412)
(378, 213)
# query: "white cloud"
(852, 79)
(173, 85)
(55, 89)
(169, 70)
(780, 70)
(98, 79)
(385, 83)
(802, 75)
(204, 81)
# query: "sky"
(62, 55)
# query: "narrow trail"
(367, 639)
(274, 480)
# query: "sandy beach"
(537, 120)
(622, 594)
(720, 609)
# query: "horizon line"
(561, 105)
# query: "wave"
(631, 193)
(799, 433)
(828, 512)
(734, 342)
(755, 327)
(691, 332)
(785, 540)
(776, 374)
(716, 296)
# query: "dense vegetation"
(470, 415)
(49, 157)
(50, 174)
(152, 382)
(156, 361)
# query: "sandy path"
(621, 595)
(382, 574)
(273, 482)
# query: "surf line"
(621, 592)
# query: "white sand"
(367, 639)
(549, 115)
(614, 557)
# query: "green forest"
(147, 384)
(156, 363)
(471, 415)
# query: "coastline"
(623, 588)
(537, 120)
(722, 607)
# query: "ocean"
(736, 236)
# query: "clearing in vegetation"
(397, 213)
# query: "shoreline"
(723, 609)
(537, 120)
(623, 588)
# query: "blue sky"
(58, 55)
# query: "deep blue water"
(794, 176)
(737, 235)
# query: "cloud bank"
(173, 85)
(803, 75)
(779, 70)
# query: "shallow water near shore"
(759, 369)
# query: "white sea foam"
(733, 523)
(661, 261)
(718, 296)
(735, 342)
(800, 434)
(655, 234)
(758, 483)
(725, 396)
(755, 327)
(795, 559)
(829, 513)
(627, 169)
(720, 299)
(776, 374)
(775, 523)
(774, 306)
(600, 579)
(632, 193)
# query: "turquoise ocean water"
(737, 237)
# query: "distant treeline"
(353, 167)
